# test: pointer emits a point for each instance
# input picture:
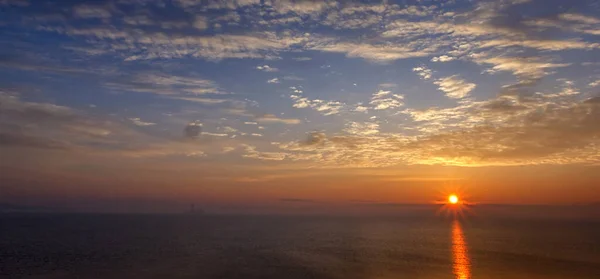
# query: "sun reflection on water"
(461, 262)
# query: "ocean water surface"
(183, 246)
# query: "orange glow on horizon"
(461, 263)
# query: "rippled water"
(113, 246)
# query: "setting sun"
(453, 199)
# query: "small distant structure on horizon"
(194, 210)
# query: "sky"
(276, 106)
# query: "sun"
(453, 199)
(454, 202)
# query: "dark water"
(113, 246)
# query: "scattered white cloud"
(527, 68)
(443, 58)
(214, 134)
(273, 80)
(455, 87)
(138, 122)
(377, 53)
(423, 72)
(267, 68)
(362, 129)
(386, 100)
(268, 118)
(321, 106)
(251, 152)
(228, 129)
(361, 108)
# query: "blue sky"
(299, 85)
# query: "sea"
(279, 247)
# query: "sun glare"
(453, 199)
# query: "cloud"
(526, 68)
(12, 106)
(501, 131)
(273, 80)
(206, 101)
(215, 134)
(217, 4)
(251, 152)
(423, 72)
(138, 122)
(192, 130)
(163, 84)
(190, 146)
(550, 45)
(443, 58)
(147, 47)
(272, 118)
(455, 87)
(321, 106)
(300, 7)
(27, 63)
(261, 117)
(302, 58)
(231, 17)
(569, 22)
(579, 18)
(345, 20)
(44, 125)
(228, 129)
(136, 44)
(362, 129)
(89, 11)
(141, 19)
(398, 32)
(22, 140)
(386, 100)
(361, 108)
(267, 68)
(376, 53)
(200, 23)
(561, 135)
(315, 138)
